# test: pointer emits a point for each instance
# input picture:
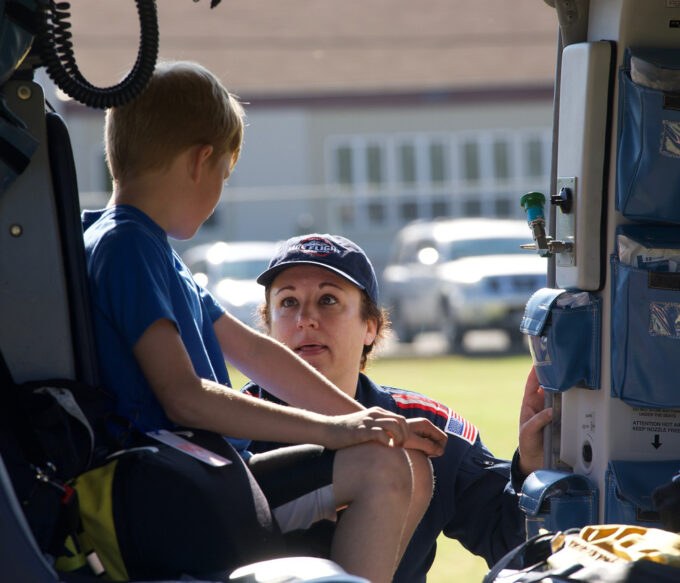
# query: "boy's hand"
(533, 417)
(376, 424)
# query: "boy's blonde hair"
(184, 105)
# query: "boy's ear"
(198, 160)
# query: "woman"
(321, 301)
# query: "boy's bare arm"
(194, 402)
(294, 381)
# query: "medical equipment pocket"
(645, 339)
(564, 338)
(648, 148)
(629, 486)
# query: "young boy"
(162, 341)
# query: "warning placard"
(655, 430)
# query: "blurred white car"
(229, 270)
(457, 275)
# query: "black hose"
(56, 53)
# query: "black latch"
(562, 199)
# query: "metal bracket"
(564, 222)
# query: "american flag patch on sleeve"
(457, 425)
(454, 423)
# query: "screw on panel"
(24, 92)
(16, 230)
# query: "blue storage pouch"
(564, 338)
(648, 148)
(645, 329)
(629, 486)
(556, 500)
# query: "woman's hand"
(533, 417)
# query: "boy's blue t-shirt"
(137, 278)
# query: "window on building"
(407, 164)
(425, 175)
(438, 174)
(376, 212)
(472, 208)
(470, 166)
(374, 167)
(409, 210)
(440, 208)
(504, 207)
(501, 160)
(345, 173)
(533, 156)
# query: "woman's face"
(317, 314)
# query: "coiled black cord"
(56, 53)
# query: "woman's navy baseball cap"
(333, 252)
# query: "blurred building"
(362, 115)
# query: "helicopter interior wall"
(597, 428)
(35, 337)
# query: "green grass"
(487, 392)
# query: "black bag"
(155, 512)
(50, 432)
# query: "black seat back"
(44, 302)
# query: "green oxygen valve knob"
(532, 203)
